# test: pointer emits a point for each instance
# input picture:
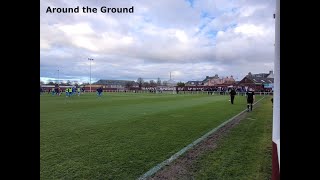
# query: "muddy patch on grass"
(184, 166)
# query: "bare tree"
(158, 82)
(153, 83)
(129, 84)
(146, 84)
(140, 82)
(165, 83)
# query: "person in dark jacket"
(250, 99)
(232, 94)
(99, 91)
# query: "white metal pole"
(90, 75)
(276, 109)
(90, 71)
(58, 77)
(276, 99)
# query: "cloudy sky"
(191, 39)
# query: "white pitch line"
(183, 150)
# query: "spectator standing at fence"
(250, 99)
(70, 92)
(232, 94)
(79, 91)
(52, 91)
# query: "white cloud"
(251, 30)
(76, 29)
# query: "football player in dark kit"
(250, 99)
(99, 91)
(232, 94)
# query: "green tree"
(51, 83)
(181, 84)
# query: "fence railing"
(183, 92)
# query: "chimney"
(270, 72)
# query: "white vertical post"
(276, 99)
(90, 71)
(58, 77)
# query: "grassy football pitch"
(122, 135)
(245, 152)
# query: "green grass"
(245, 153)
(121, 136)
